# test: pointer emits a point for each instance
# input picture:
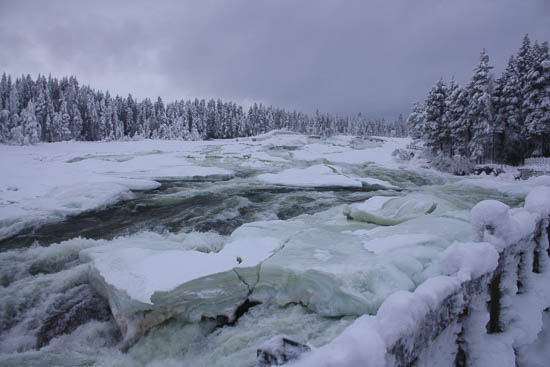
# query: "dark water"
(220, 207)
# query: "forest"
(497, 120)
(49, 110)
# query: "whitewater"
(197, 253)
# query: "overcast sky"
(336, 56)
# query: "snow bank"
(377, 151)
(504, 183)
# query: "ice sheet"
(391, 210)
(314, 176)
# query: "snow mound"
(471, 259)
(494, 222)
(538, 200)
(389, 211)
(359, 345)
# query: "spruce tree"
(537, 101)
(415, 121)
(435, 130)
(479, 112)
(456, 105)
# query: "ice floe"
(391, 210)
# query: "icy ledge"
(486, 311)
(321, 176)
(145, 286)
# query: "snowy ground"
(323, 230)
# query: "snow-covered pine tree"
(455, 115)
(436, 132)
(43, 107)
(64, 128)
(416, 121)
(479, 111)
(4, 92)
(30, 128)
(510, 144)
(537, 101)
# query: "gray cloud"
(335, 56)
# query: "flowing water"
(51, 316)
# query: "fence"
(414, 147)
(512, 282)
(542, 162)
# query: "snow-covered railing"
(485, 311)
(415, 147)
(542, 162)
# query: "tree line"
(490, 120)
(49, 110)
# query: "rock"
(278, 351)
(70, 310)
(488, 170)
